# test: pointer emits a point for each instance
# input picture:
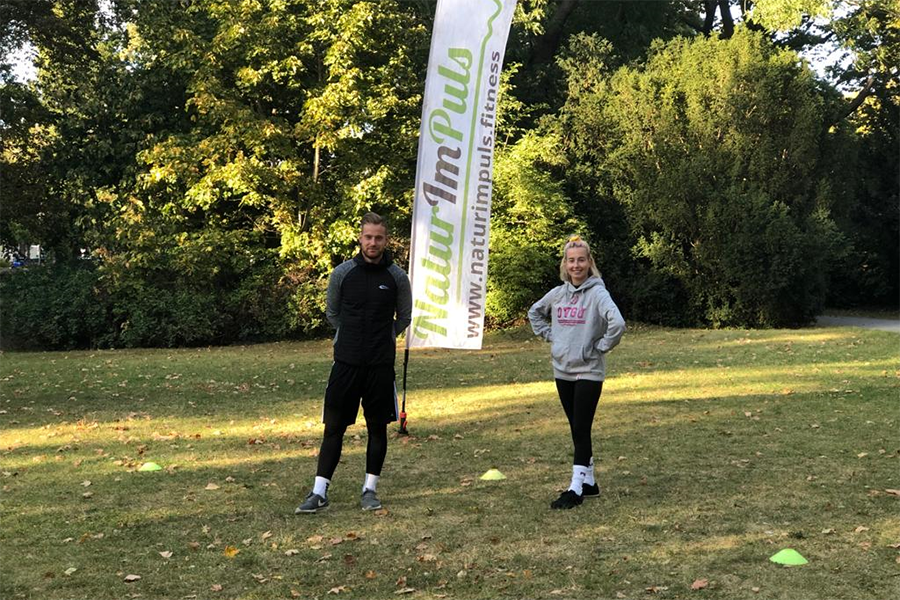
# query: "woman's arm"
(539, 315)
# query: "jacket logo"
(570, 312)
(383, 287)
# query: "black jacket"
(369, 305)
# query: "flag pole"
(403, 429)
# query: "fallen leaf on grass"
(860, 529)
(85, 483)
(69, 571)
(323, 558)
(266, 535)
(166, 554)
(349, 560)
(132, 578)
(699, 584)
(754, 589)
(316, 539)
(827, 531)
(894, 546)
(291, 552)
(371, 574)
(230, 551)
(892, 492)
(382, 512)
(655, 589)
(88, 495)
(338, 589)
(405, 591)
(211, 486)
(216, 587)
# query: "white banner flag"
(452, 206)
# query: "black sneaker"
(590, 491)
(313, 504)
(568, 499)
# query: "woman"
(582, 323)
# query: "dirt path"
(882, 324)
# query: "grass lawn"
(716, 450)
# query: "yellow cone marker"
(150, 466)
(493, 475)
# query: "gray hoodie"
(582, 324)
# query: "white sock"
(320, 487)
(578, 473)
(589, 474)
(371, 482)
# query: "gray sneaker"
(313, 504)
(369, 500)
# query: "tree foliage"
(213, 157)
(718, 150)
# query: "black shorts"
(347, 385)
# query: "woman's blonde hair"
(575, 241)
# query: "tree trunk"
(710, 6)
(546, 45)
(861, 96)
(316, 162)
(727, 19)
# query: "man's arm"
(333, 296)
(404, 300)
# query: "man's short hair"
(371, 218)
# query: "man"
(369, 303)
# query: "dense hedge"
(82, 305)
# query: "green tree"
(718, 150)
(531, 217)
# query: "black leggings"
(333, 441)
(579, 399)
